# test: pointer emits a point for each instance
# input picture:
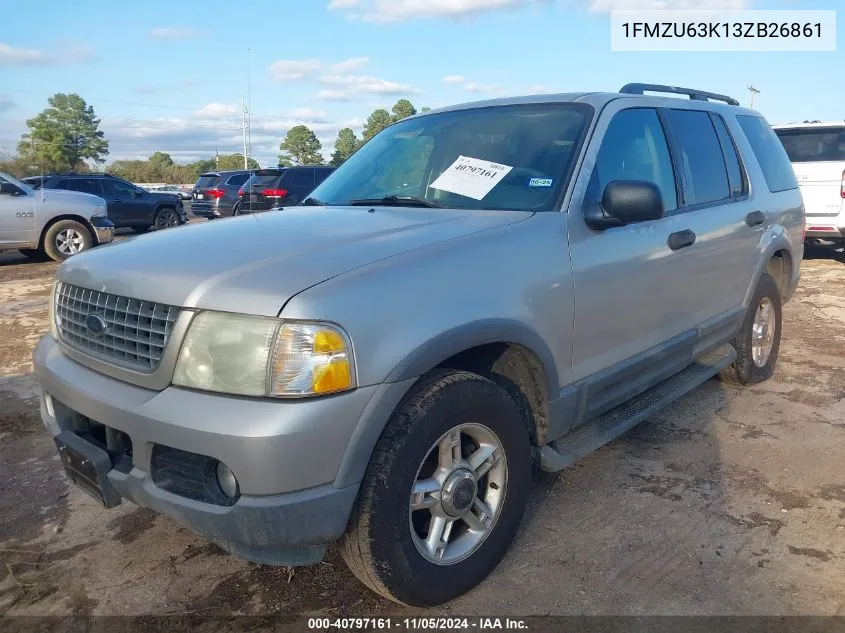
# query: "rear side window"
(813, 145)
(736, 178)
(207, 181)
(634, 148)
(303, 178)
(700, 154)
(85, 185)
(237, 180)
(322, 174)
(769, 152)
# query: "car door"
(631, 318)
(722, 220)
(17, 217)
(127, 204)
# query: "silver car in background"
(49, 222)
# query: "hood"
(164, 195)
(63, 195)
(253, 264)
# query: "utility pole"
(248, 150)
(754, 92)
(216, 158)
(243, 128)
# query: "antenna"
(754, 92)
(243, 128)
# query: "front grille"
(136, 331)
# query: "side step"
(593, 435)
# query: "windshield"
(514, 157)
(813, 145)
(4, 177)
(206, 181)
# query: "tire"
(66, 238)
(166, 217)
(384, 541)
(746, 369)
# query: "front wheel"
(66, 238)
(166, 218)
(444, 493)
(758, 341)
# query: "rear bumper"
(824, 229)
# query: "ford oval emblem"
(95, 324)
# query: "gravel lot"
(732, 501)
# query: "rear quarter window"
(769, 152)
(237, 180)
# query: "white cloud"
(539, 89)
(172, 33)
(334, 95)
(77, 53)
(353, 63)
(368, 84)
(453, 79)
(308, 113)
(474, 87)
(398, 10)
(294, 69)
(605, 6)
(217, 110)
(12, 56)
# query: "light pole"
(754, 92)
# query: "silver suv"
(476, 290)
(47, 222)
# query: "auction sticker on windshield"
(471, 177)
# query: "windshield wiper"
(409, 201)
(312, 202)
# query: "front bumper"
(285, 454)
(103, 230)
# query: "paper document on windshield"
(471, 177)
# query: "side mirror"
(8, 189)
(625, 202)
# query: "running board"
(584, 440)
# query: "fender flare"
(434, 351)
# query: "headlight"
(256, 356)
(54, 330)
(100, 211)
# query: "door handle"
(755, 218)
(681, 239)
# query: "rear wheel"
(66, 238)
(758, 341)
(444, 493)
(166, 218)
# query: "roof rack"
(695, 95)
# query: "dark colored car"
(216, 192)
(279, 186)
(128, 206)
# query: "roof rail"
(695, 95)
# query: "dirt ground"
(732, 501)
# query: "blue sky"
(170, 76)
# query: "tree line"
(66, 136)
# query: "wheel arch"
(66, 216)
(507, 352)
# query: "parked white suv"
(817, 152)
